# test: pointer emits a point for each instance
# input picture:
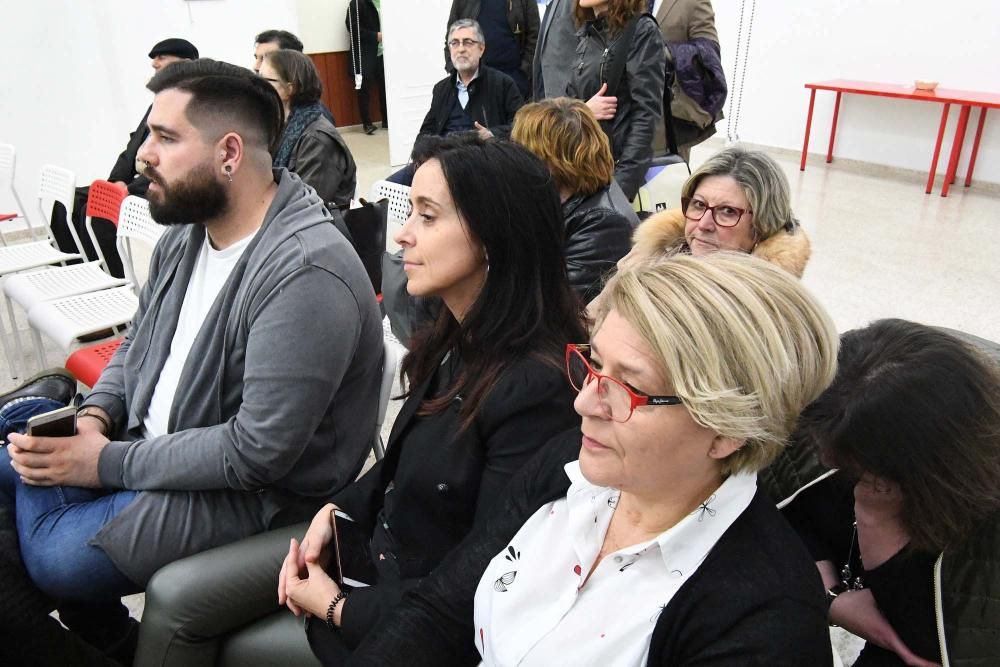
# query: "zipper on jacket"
(604, 61)
(939, 612)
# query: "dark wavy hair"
(526, 308)
(916, 406)
(285, 39)
(225, 98)
(297, 69)
(618, 14)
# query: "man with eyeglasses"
(511, 27)
(473, 97)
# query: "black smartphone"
(350, 560)
(58, 423)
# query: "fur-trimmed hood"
(665, 230)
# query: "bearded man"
(246, 390)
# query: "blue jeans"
(55, 526)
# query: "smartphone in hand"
(59, 423)
(350, 562)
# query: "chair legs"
(39, 348)
(15, 334)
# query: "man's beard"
(195, 199)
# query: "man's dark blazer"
(493, 101)
(124, 169)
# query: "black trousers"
(364, 93)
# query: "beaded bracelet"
(342, 595)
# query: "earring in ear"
(228, 169)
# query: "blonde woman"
(641, 538)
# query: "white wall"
(321, 25)
(794, 42)
(413, 34)
(75, 72)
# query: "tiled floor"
(881, 247)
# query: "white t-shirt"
(530, 609)
(210, 273)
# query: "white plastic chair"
(65, 320)
(399, 204)
(8, 160)
(392, 355)
(29, 289)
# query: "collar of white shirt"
(682, 547)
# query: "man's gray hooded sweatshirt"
(277, 402)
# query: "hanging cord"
(732, 129)
(356, 63)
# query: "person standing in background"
(698, 90)
(364, 26)
(511, 30)
(556, 46)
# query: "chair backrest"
(7, 159)
(398, 196)
(56, 184)
(135, 223)
(392, 355)
(104, 200)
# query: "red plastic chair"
(88, 363)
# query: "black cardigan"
(757, 599)
(444, 481)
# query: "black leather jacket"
(598, 233)
(640, 94)
(493, 101)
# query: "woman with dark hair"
(622, 82)
(906, 533)
(485, 387)
(311, 146)
(599, 220)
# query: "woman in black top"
(912, 421)
(486, 388)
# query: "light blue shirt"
(463, 90)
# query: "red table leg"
(937, 148)
(833, 128)
(809, 121)
(975, 146)
(956, 149)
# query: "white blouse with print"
(530, 609)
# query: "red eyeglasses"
(616, 396)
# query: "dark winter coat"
(363, 20)
(444, 479)
(323, 161)
(640, 93)
(493, 101)
(598, 233)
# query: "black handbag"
(367, 226)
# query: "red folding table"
(965, 98)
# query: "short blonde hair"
(564, 133)
(742, 343)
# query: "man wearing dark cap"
(162, 54)
(165, 52)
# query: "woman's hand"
(858, 613)
(310, 595)
(603, 106)
(313, 549)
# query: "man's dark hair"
(297, 69)
(918, 407)
(228, 96)
(285, 39)
(526, 308)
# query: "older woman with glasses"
(641, 537)
(737, 200)
(310, 146)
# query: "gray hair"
(763, 183)
(467, 23)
